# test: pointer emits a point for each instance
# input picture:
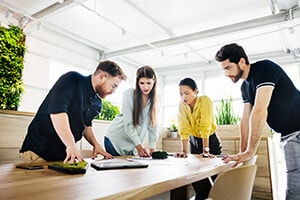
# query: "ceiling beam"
(255, 23)
(53, 9)
(281, 57)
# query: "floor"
(166, 195)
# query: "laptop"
(117, 163)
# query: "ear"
(242, 62)
(101, 75)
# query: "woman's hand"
(142, 151)
(180, 155)
(207, 155)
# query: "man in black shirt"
(269, 96)
(67, 112)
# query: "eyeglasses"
(113, 85)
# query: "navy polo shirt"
(73, 94)
(284, 107)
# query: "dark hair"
(148, 72)
(233, 52)
(111, 68)
(189, 82)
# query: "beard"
(239, 74)
(100, 90)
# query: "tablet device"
(117, 164)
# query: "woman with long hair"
(128, 130)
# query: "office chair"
(252, 161)
(234, 184)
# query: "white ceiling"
(168, 34)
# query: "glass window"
(171, 98)
(57, 69)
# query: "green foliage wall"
(12, 49)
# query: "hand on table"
(143, 153)
(207, 155)
(72, 155)
(99, 150)
(180, 155)
(238, 158)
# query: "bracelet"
(206, 150)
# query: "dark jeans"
(203, 187)
(109, 147)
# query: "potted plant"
(12, 48)
(173, 130)
(108, 111)
(225, 114)
(227, 120)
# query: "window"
(56, 69)
(216, 88)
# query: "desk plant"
(225, 114)
(173, 129)
(12, 49)
(108, 111)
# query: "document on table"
(168, 161)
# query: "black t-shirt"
(73, 94)
(284, 107)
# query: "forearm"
(60, 122)
(90, 136)
(205, 142)
(257, 123)
(244, 132)
(184, 146)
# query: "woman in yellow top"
(196, 125)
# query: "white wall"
(43, 47)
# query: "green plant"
(12, 49)
(173, 127)
(108, 111)
(225, 114)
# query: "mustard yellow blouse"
(199, 123)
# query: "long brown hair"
(145, 72)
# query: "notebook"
(117, 163)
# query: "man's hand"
(72, 155)
(238, 158)
(99, 150)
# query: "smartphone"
(30, 167)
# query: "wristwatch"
(206, 150)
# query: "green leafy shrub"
(108, 111)
(173, 127)
(225, 114)
(12, 49)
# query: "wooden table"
(173, 174)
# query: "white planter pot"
(173, 134)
